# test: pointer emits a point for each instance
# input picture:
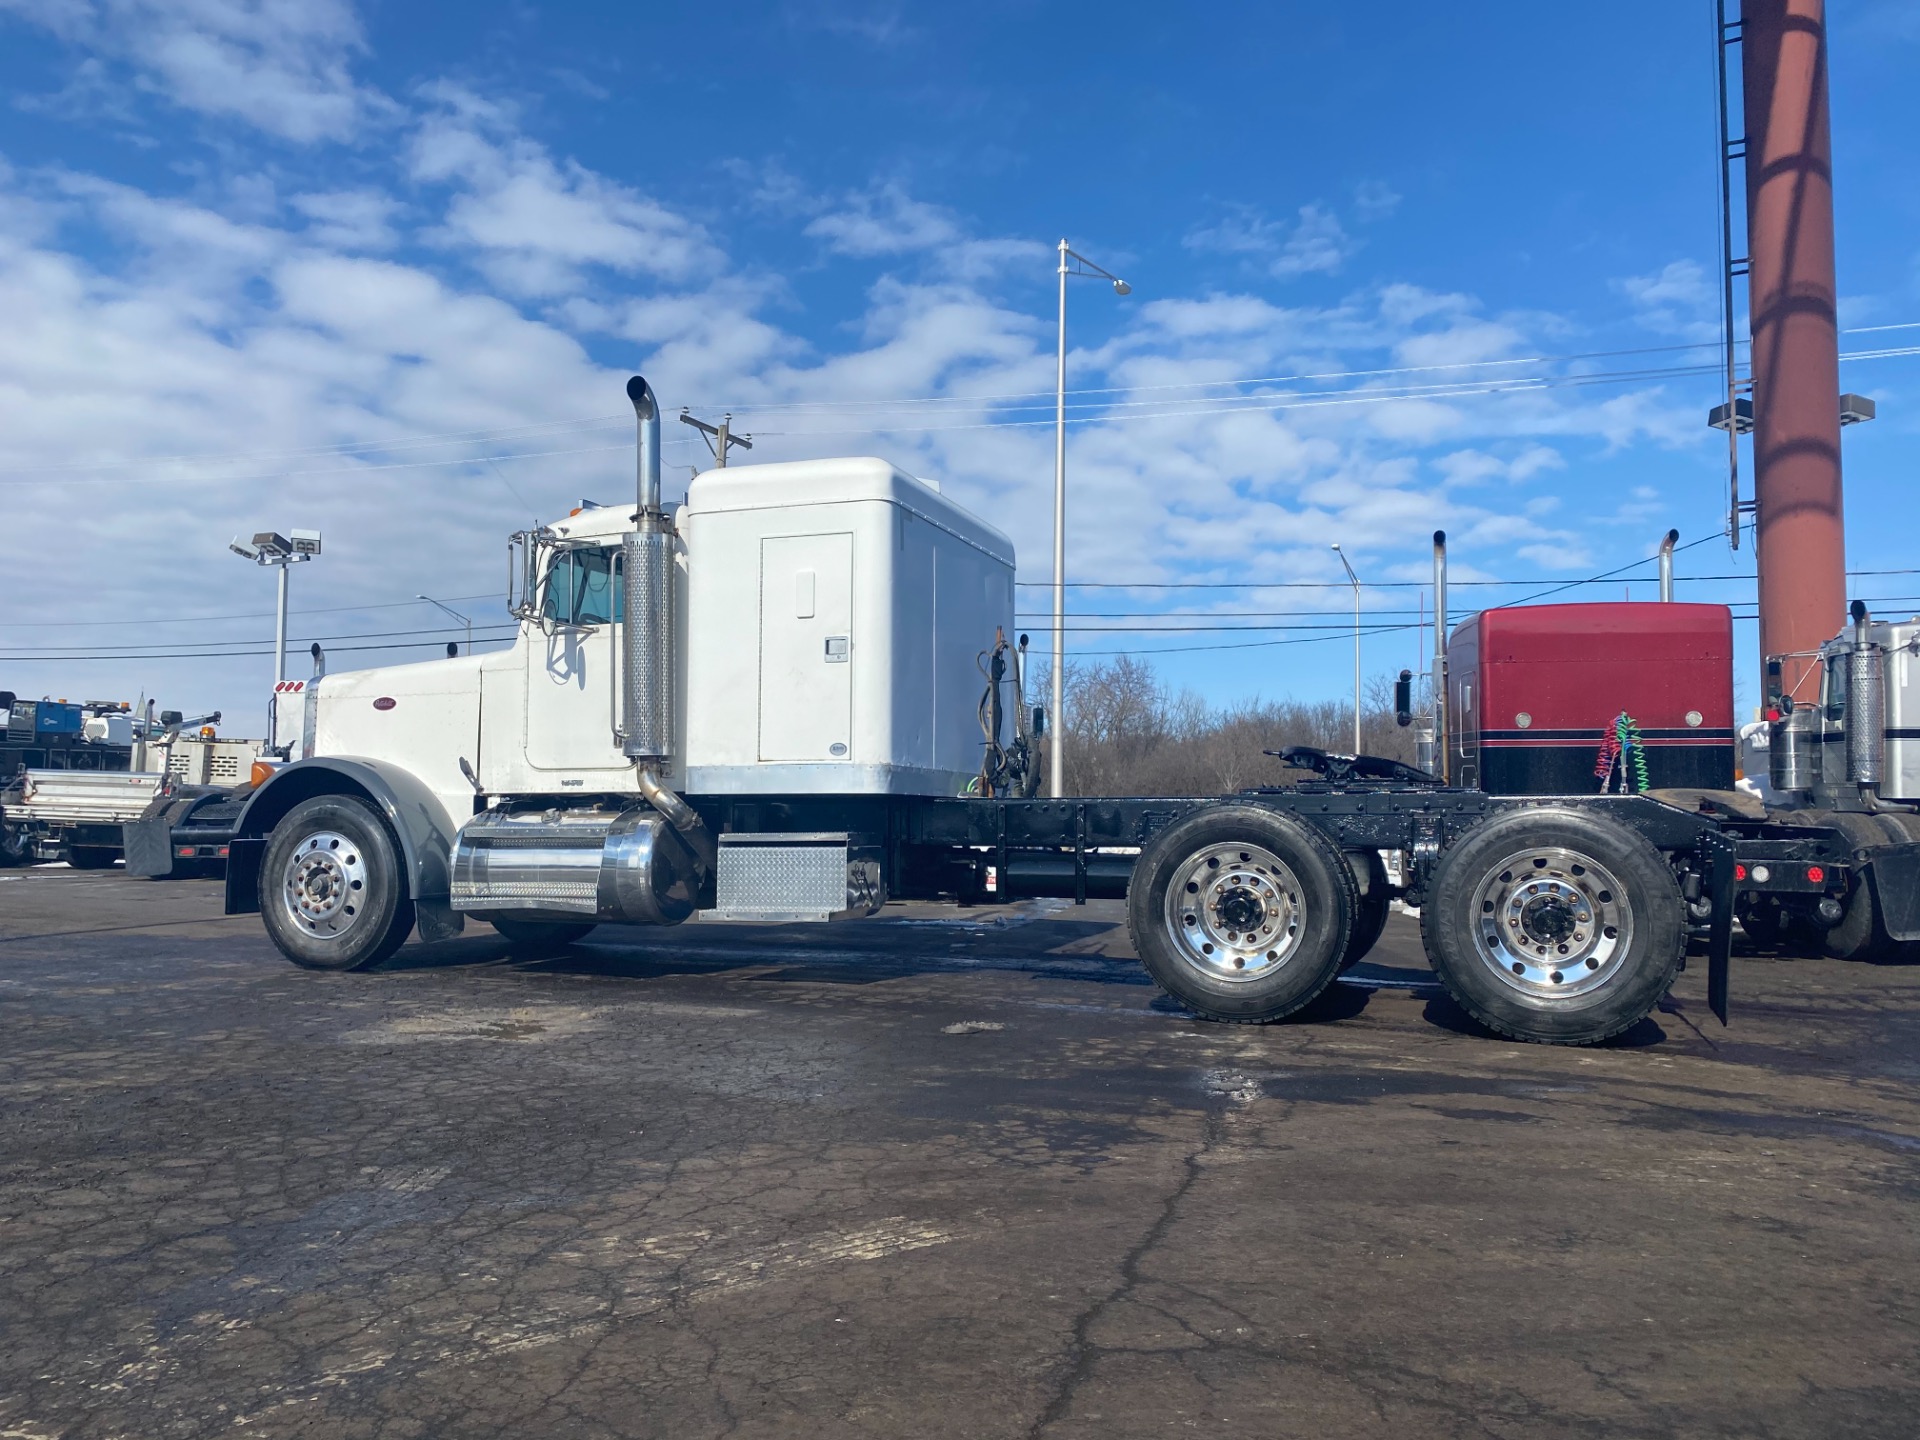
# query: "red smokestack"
(1800, 539)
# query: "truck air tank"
(1792, 751)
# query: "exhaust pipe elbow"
(1666, 566)
(681, 816)
(646, 416)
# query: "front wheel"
(332, 892)
(1241, 913)
(1555, 925)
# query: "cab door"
(806, 647)
(573, 668)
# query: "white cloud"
(885, 221)
(349, 219)
(533, 223)
(1474, 467)
(1675, 300)
(281, 65)
(1315, 243)
(1374, 200)
(277, 314)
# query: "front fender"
(419, 821)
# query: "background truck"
(767, 704)
(76, 775)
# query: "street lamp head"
(306, 543)
(1336, 544)
(270, 543)
(243, 549)
(1121, 287)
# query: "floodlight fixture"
(243, 549)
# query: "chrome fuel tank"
(623, 867)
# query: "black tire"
(1370, 910)
(535, 936)
(92, 857)
(332, 890)
(1593, 936)
(1279, 881)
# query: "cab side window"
(583, 588)
(1834, 678)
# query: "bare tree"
(1128, 735)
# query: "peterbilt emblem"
(385, 702)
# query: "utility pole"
(1056, 748)
(718, 437)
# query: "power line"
(1375, 584)
(249, 615)
(229, 654)
(853, 408)
(298, 640)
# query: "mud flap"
(1896, 885)
(1718, 851)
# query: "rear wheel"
(332, 892)
(1240, 913)
(532, 936)
(1559, 926)
(1370, 912)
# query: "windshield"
(583, 588)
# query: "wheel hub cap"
(1233, 912)
(1551, 923)
(325, 884)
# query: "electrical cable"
(1214, 405)
(1370, 585)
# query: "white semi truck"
(765, 704)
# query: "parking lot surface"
(941, 1173)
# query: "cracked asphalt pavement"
(940, 1173)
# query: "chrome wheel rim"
(324, 887)
(1552, 923)
(1233, 913)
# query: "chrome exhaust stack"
(646, 711)
(1666, 566)
(646, 715)
(1866, 707)
(1440, 652)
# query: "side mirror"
(523, 572)
(1403, 699)
(1039, 721)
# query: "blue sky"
(381, 270)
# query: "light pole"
(270, 548)
(1086, 267)
(1355, 580)
(456, 615)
